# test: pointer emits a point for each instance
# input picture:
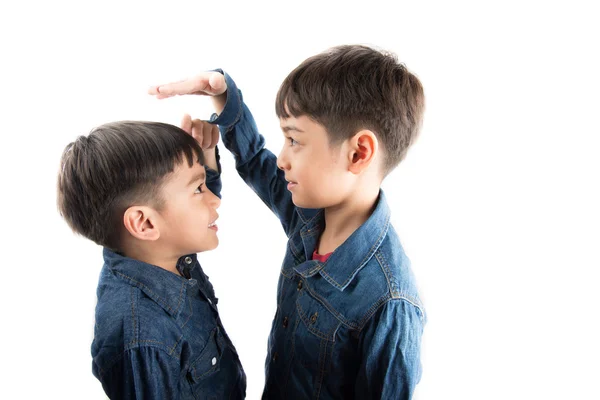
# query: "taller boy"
(349, 319)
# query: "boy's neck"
(343, 219)
(140, 254)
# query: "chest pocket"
(209, 361)
(314, 334)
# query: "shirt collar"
(349, 258)
(166, 288)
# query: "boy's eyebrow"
(197, 177)
(288, 128)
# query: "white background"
(496, 204)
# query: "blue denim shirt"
(158, 335)
(349, 327)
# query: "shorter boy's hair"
(118, 165)
(352, 87)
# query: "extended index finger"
(197, 85)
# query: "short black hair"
(118, 165)
(352, 87)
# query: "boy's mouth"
(291, 185)
(213, 225)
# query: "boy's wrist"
(227, 105)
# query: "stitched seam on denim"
(191, 314)
(408, 300)
(293, 247)
(159, 299)
(309, 233)
(382, 300)
(339, 316)
(290, 276)
(367, 257)
(239, 114)
(308, 325)
(135, 336)
(314, 270)
(175, 345)
(180, 297)
(205, 357)
(289, 369)
(322, 362)
(385, 268)
(394, 286)
(133, 345)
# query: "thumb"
(217, 83)
(186, 123)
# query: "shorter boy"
(141, 190)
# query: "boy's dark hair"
(353, 87)
(118, 165)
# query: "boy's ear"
(363, 147)
(140, 222)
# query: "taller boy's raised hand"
(205, 83)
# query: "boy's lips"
(291, 184)
(213, 225)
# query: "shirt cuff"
(233, 105)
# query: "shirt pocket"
(315, 333)
(208, 362)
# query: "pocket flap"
(209, 360)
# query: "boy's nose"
(215, 200)
(282, 162)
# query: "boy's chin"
(304, 203)
(208, 246)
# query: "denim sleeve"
(213, 178)
(390, 350)
(256, 165)
(143, 373)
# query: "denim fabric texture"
(158, 335)
(348, 328)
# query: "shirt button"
(299, 285)
(285, 322)
(275, 356)
(214, 360)
(313, 318)
(188, 260)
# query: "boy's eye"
(199, 189)
(293, 142)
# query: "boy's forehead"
(292, 123)
(184, 175)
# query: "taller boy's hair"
(353, 87)
(118, 165)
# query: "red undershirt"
(319, 257)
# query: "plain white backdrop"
(497, 204)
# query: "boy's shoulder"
(134, 310)
(127, 317)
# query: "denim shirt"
(158, 335)
(349, 327)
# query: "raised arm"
(255, 164)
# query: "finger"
(201, 134)
(197, 84)
(217, 83)
(186, 123)
(214, 133)
(206, 135)
(197, 131)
